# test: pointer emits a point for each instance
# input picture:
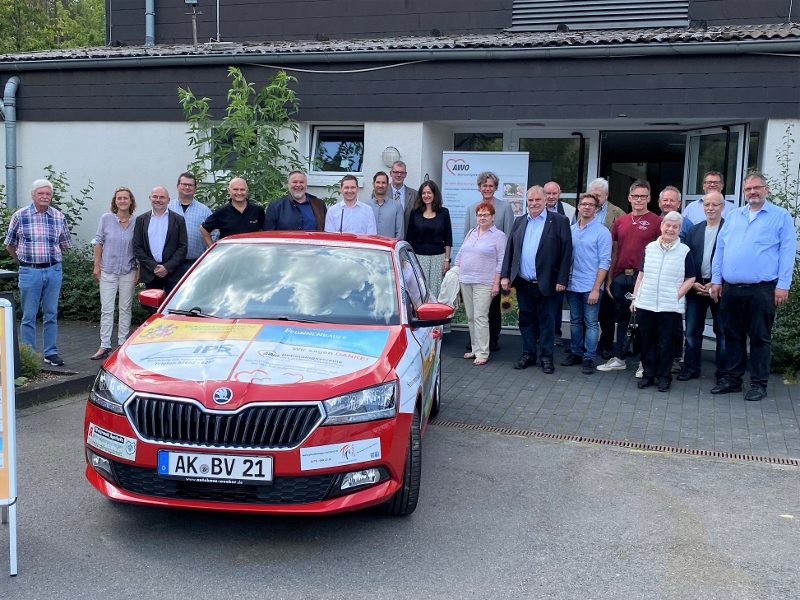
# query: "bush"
(31, 362)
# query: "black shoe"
(547, 366)
(524, 362)
(54, 359)
(572, 360)
(726, 388)
(645, 382)
(686, 376)
(664, 385)
(494, 346)
(557, 341)
(588, 366)
(755, 393)
(607, 354)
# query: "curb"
(48, 392)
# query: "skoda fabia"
(286, 373)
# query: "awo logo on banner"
(457, 166)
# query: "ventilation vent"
(551, 15)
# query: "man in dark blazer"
(702, 241)
(160, 244)
(537, 263)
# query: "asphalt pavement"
(499, 516)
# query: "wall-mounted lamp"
(390, 156)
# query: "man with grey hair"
(36, 237)
(606, 214)
(400, 192)
(488, 183)
(298, 210)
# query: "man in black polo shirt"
(237, 216)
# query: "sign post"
(8, 455)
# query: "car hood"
(254, 360)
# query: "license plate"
(218, 467)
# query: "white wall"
(137, 155)
(772, 146)
(436, 139)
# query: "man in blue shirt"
(194, 213)
(750, 277)
(591, 257)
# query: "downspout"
(9, 110)
(149, 22)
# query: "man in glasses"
(194, 213)
(695, 211)
(400, 192)
(629, 235)
(750, 277)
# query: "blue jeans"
(35, 286)
(582, 313)
(536, 319)
(696, 308)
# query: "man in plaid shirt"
(36, 236)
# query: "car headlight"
(109, 393)
(379, 402)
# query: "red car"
(286, 373)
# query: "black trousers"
(495, 320)
(620, 285)
(658, 340)
(606, 319)
(161, 283)
(748, 311)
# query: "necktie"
(397, 195)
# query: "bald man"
(239, 215)
(160, 243)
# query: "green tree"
(784, 189)
(28, 25)
(255, 140)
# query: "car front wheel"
(405, 499)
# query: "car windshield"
(296, 282)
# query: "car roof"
(315, 237)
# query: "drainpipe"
(149, 22)
(9, 110)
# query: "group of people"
(610, 265)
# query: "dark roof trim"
(660, 42)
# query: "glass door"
(722, 149)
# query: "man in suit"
(160, 244)
(400, 192)
(503, 220)
(537, 263)
(702, 242)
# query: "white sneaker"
(640, 371)
(614, 364)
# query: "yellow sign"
(170, 330)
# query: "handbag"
(633, 339)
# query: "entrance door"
(722, 149)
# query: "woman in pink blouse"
(479, 261)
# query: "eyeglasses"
(187, 184)
(398, 172)
(484, 215)
(754, 188)
(587, 205)
(640, 196)
(712, 182)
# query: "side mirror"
(431, 314)
(151, 298)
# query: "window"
(547, 15)
(478, 142)
(337, 149)
(555, 159)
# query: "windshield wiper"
(192, 312)
(295, 319)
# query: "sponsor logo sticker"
(336, 455)
(111, 443)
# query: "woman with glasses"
(430, 234)
(480, 260)
(115, 268)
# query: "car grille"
(283, 490)
(186, 423)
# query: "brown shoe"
(101, 354)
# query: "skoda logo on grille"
(223, 395)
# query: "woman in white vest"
(667, 273)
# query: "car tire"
(405, 499)
(436, 404)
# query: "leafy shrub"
(31, 362)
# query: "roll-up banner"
(8, 457)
